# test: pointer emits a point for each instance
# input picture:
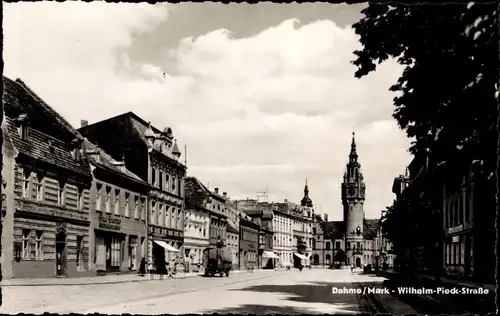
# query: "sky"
(263, 95)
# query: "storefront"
(162, 250)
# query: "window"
(337, 245)
(79, 198)
(115, 252)
(108, 200)
(98, 199)
(153, 213)
(161, 216)
(79, 252)
(60, 195)
(39, 245)
(136, 207)
(127, 204)
(466, 206)
(160, 180)
(117, 202)
(167, 181)
(143, 207)
(179, 187)
(173, 183)
(26, 249)
(26, 183)
(39, 187)
(153, 177)
(327, 245)
(313, 244)
(23, 131)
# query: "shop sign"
(109, 222)
(455, 239)
(455, 229)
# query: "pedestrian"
(142, 267)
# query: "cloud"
(266, 110)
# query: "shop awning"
(270, 254)
(300, 256)
(166, 246)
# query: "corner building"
(153, 155)
(46, 181)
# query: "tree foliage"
(446, 94)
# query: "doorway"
(358, 262)
(61, 254)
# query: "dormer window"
(22, 120)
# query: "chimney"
(216, 190)
(286, 200)
(325, 217)
(224, 194)
(84, 123)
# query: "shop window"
(60, 194)
(79, 252)
(98, 198)
(115, 252)
(116, 206)
(132, 249)
(26, 183)
(39, 245)
(39, 187)
(26, 246)
(127, 204)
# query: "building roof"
(370, 227)
(333, 229)
(50, 135)
(196, 193)
(107, 162)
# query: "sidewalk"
(447, 281)
(106, 279)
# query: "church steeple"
(353, 178)
(306, 200)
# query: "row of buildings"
(453, 201)
(98, 199)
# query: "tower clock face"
(351, 192)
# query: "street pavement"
(282, 292)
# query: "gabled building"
(154, 156)
(118, 202)
(197, 220)
(233, 231)
(46, 181)
(249, 243)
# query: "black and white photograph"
(237, 158)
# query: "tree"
(340, 256)
(447, 90)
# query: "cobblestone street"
(309, 291)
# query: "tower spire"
(353, 144)
(306, 200)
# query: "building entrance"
(61, 253)
(358, 262)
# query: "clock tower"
(353, 197)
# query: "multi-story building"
(153, 155)
(118, 200)
(216, 205)
(249, 242)
(233, 231)
(262, 214)
(283, 232)
(46, 181)
(468, 223)
(197, 220)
